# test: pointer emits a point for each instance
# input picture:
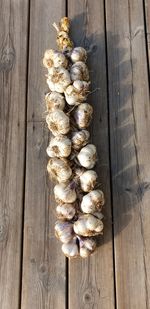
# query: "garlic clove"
(79, 71)
(64, 231)
(59, 146)
(77, 92)
(54, 58)
(71, 249)
(65, 193)
(87, 246)
(80, 139)
(59, 169)
(58, 79)
(54, 100)
(83, 115)
(58, 122)
(88, 225)
(66, 211)
(78, 54)
(92, 201)
(88, 180)
(48, 58)
(87, 156)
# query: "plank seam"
(109, 154)
(146, 42)
(25, 150)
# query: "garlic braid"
(72, 156)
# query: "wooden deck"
(33, 272)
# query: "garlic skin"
(88, 180)
(71, 249)
(55, 59)
(64, 193)
(58, 122)
(65, 211)
(63, 41)
(87, 156)
(78, 54)
(87, 246)
(59, 169)
(92, 201)
(83, 115)
(58, 79)
(77, 92)
(79, 71)
(54, 100)
(80, 139)
(64, 231)
(88, 225)
(59, 146)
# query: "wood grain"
(147, 24)
(44, 277)
(91, 282)
(130, 147)
(13, 54)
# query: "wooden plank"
(91, 282)
(13, 54)
(130, 148)
(147, 16)
(44, 276)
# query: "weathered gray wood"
(13, 54)
(147, 16)
(44, 277)
(130, 149)
(91, 283)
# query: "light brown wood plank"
(13, 54)
(44, 277)
(91, 283)
(147, 16)
(130, 149)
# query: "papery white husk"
(88, 225)
(71, 249)
(59, 169)
(65, 211)
(87, 156)
(58, 79)
(54, 100)
(58, 122)
(78, 54)
(77, 92)
(79, 71)
(92, 201)
(64, 193)
(53, 58)
(86, 246)
(59, 146)
(80, 139)
(83, 115)
(64, 231)
(88, 180)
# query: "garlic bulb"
(58, 122)
(59, 169)
(58, 79)
(79, 71)
(87, 156)
(65, 211)
(88, 225)
(71, 249)
(77, 92)
(87, 246)
(54, 100)
(92, 201)
(55, 59)
(64, 231)
(83, 115)
(78, 54)
(80, 139)
(59, 146)
(65, 193)
(88, 180)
